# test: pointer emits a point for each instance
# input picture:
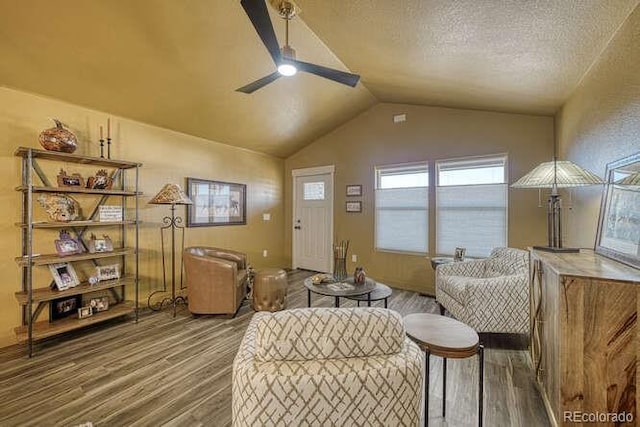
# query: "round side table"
(449, 339)
(436, 261)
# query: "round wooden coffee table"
(448, 338)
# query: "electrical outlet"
(354, 258)
(266, 216)
(264, 253)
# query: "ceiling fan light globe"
(287, 69)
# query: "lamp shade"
(633, 180)
(559, 174)
(171, 194)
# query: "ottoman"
(270, 290)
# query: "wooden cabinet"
(36, 180)
(585, 338)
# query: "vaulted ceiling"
(176, 64)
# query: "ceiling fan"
(285, 58)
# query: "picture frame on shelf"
(84, 312)
(216, 203)
(64, 307)
(102, 245)
(64, 276)
(108, 272)
(354, 190)
(458, 254)
(101, 181)
(354, 207)
(73, 180)
(110, 213)
(99, 304)
(67, 245)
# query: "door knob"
(297, 227)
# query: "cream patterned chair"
(327, 367)
(490, 295)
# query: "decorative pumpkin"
(60, 207)
(58, 139)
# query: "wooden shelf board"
(48, 294)
(48, 329)
(47, 259)
(77, 224)
(78, 190)
(74, 158)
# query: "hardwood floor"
(177, 372)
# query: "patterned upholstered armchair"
(490, 295)
(327, 366)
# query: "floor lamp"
(170, 194)
(556, 174)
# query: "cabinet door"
(550, 338)
(599, 338)
(535, 315)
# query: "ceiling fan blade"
(254, 86)
(328, 73)
(259, 15)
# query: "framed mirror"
(619, 224)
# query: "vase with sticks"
(340, 251)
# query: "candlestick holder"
(108, 148)
(101, 148)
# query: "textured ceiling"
(176, 64)
(509, 55)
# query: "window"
(471, 205)
(313, 190)
(402, 218)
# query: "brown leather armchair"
(216, 279)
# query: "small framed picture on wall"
(354, 190)
(354, 207)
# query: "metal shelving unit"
(42, 296)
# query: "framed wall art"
(618, 235)
(63, 307)
(216, 203)
(64, 275)
(354, 207)
(354, 190)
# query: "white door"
(313, 218)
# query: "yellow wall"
(430, 133)
(601, 122)
(166, 156)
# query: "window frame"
(504, 156)
(417, 166)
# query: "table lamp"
(556, 174)
(170, 194)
